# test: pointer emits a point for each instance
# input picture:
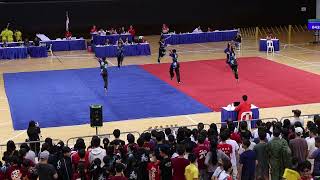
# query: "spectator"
(165, 164)
(142, 160)
(215, 157)
(15, 171)
(116, 134)
(299, 146)
(160, 143)
(191, 171)
(201, 151)
(30, 154)
(33, 135)
(243, 107)
(224, 146)
(237, 40)
(119, 173)
(247, 162)
(316, 157)
(223, 173)
(311, 142)
(262, 157)
(81, 172)
(200, 127)
(234, 155)
(296, 117)
(45, 171)
(64, 165)
(97, 151)
(305, 170)
(11, 151)
(179, 163)
(96, 169)
(154, 168)
(278, 154)
(131, 142)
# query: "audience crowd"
(276, 150)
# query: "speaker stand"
(96, 130)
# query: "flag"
(67, 21)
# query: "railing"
(175, 128)
(87, 139)
(306, 117)
(34, 145)
(275, 30)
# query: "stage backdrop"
(48, 16)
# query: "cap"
(44, 155)
(298, 130)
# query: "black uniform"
(234, 64)
(120, 54)
(175, 66)
(104, 72)
(162, 50)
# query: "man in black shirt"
(64, 165)
(116, 134)
(46, 171)
(165, 164)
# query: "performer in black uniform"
(162, 49)
(227, 52)
(120, 53)
(233, 63)
(174, 65)
(104, 72)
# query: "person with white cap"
(45, 171)
(299, 146)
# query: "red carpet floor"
(267, 83)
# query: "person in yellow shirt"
(292, 173)
(4, 35)
(18, 35)
(9, 35)
(192, 172)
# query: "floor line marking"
(188, 117)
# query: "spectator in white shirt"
(311, 142)
(234, 155)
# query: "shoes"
(105, 90)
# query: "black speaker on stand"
(96, 118)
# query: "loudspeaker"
(96, 115)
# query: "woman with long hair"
(214, 157)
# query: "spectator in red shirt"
(93, 29)
(154, 168)
(201, 151)
(119, 173)
(223, 146)
(243, 107)
(179, 164)
(132, 31)
(15, 171)
(131, 143)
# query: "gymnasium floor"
(299, 54)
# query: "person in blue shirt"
(233, 63)
(247, 162)
(175, 66)
(227, 52)
(162, 49)
(104, 72)
(120, 52)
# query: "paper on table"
(232, 108)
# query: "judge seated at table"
(209, 29)
(68, 35)
(107, 43)
(122, 30)
(4, 44)
(18, 35)
(127, 41)
(132, 31)
(243, 107)
(113, 31)
(36, 41)
(93, 29)
(165, 29)
(269, 36)
(26, 42)
(197, 30)
(101, 32)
